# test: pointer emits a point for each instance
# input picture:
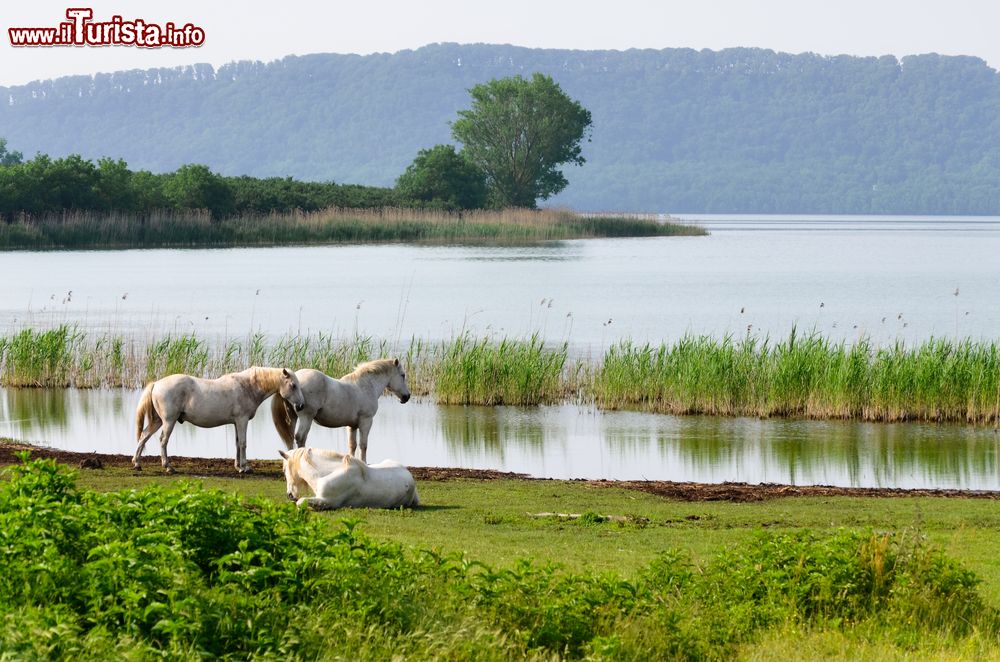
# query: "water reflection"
(565, 441)
(492, 429)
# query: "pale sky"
(259, 30)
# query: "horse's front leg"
(316, 503)
(364, 425)
(352, 440)
(168, 428)
(242, 465)
(302, 428)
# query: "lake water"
(558, 442)
(890, 278)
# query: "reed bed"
(335, 225)
(67, 357)
(799, 376)
(938, 380)
(509, 372)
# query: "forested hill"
(739, 130)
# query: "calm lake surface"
(557, 442)
(890, 278)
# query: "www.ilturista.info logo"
(80, 30)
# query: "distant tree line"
(43, 185)
(738, 130)
(516, 136)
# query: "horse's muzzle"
(300, 407)
(404, 398)
(291, 497)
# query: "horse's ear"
(285, 372)
(283, 454)
(395, 361)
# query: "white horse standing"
(209, 403)
(351, 400)
(343, 481)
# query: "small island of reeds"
(164, 229)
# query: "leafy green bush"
(187, 572)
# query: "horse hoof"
(170, 471)
(246, 470)
(136, 467)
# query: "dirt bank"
(193, 467)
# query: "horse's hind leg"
(168, 428)
(147, 433)
(352, 440)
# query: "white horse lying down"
(343, 481)
(209, 403)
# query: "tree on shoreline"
(519, 132)
(440, 176)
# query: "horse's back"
(393, 482)
(387, 484)
(173, 381)
(389, 464)
(174, 388)
(204, 403)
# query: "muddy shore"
(194, 467)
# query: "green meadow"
(110, 564)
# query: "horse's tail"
(145, 411)
(284, 420)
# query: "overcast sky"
(266, 31)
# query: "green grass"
(154, 565)
(801, 376)
(182, 229)
(492, 520)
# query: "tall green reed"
(39, 358)
(508, 372)
(799, 376)
(808, 376)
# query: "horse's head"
(397, 382)
(290, 390)
(294, 483)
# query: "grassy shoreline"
(170, 229)
(158, 565)
(799, 376)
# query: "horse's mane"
(375, 367)
(304, 455)
(351, 461)
(266, 379)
